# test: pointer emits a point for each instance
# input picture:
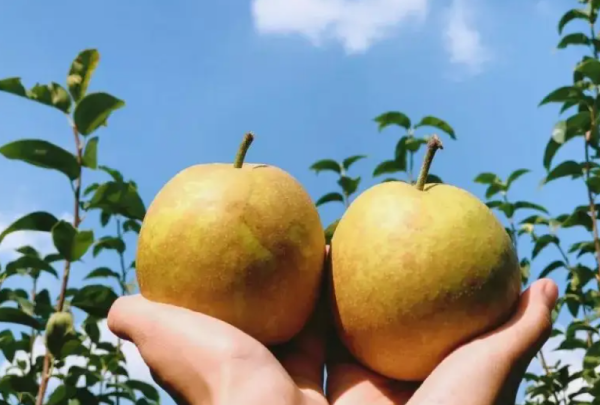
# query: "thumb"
(131, 317)
(179, 347)
(489, 368)
(529, 328)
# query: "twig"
(46, 371)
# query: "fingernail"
(550, 293)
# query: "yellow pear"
(239, 242)
(418, 270)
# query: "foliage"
(402, 162)
(579, 262)
(80, 367)
(102, 376)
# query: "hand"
(486, 371)
(201, 360)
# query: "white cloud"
(462, 40)
(357, 24)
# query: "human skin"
(200, 360)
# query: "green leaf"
(576, 38)
(563, 132)
(551, 267)
(81, 72)
(515, 175)
(563, 94)
(53, 94)
(567, 168)
(119, 198)
(577, 326)
(582, 248)
(570, 16)
(28, 250)
(487, 178)
(105, 217)
(578, 218)
(541, 243)
(494, 204)
(92, 187)
(44, 154)
(36, 221)
(592, 357)
(330, 230)
(90, 156)
(109, 243)
(508, 209)
(388, 166)
(8, 345)
(103, 272)
(551, 148)
(435, 122)
(53, 257)
(529, 205)
(71, 243)
(32, 263)
(433, 179)
(400, 153)
(90, 325)
(19, 317)
(330, 197)
(131, 225)
(413, 144)
(594, 184)
(95, 300)
(326, 164)
(43, 305)
(351, 160)
(93, 110)
(61, 395)
(577, 124)
(348, 184)
(392, 118)
(590, 68)
(146, 389)
(492, 190)
(114, 173)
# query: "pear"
(417, 271)
(239, 242)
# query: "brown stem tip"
(241, 153)
(433, 145)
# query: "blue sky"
(306, 76)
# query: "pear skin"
(415, 273)
(244, 245)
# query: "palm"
(198, 358)
(485, 371)
(352, 384)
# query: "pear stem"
(433, 145)
(241, 153)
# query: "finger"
(156, 330)
(484, 370)
(527, 330)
